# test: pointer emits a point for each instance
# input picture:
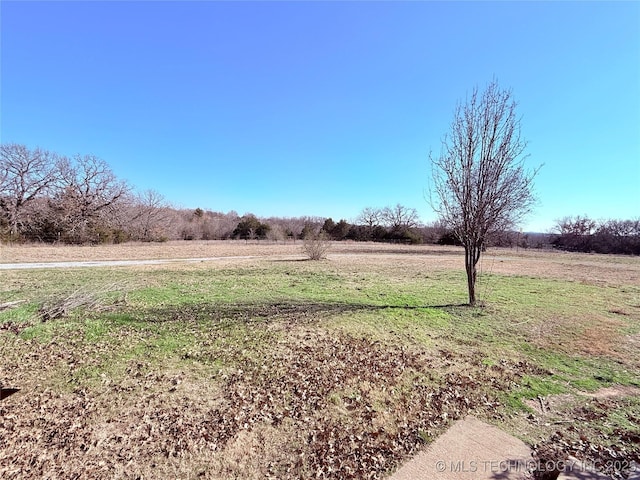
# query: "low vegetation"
(270, 367)
(315, 245)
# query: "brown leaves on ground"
(14, 327)
(317, 405)
(595, 438)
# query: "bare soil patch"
(616, 391)
(555, 404)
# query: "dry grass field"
(254, 363)
(605, 269)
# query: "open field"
(609, 269)
(268, 366)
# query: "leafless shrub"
(316, 244)
(96, 300)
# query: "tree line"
(583, 234)
(46, 197)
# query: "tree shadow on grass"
(260, 312)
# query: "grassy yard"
(275, 367)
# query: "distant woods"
(46, 197)
(583, 234)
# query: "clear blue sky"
(324, 108)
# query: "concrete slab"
(474, 450)
(469, 450)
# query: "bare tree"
(149, 215)
(479, 179)
(24, 175)
(4, 173)
(580, 225)
(89, 195)
(277, 233)
(400, 218)
(370, 218)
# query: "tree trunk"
(471, 257)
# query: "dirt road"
(114, 263)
